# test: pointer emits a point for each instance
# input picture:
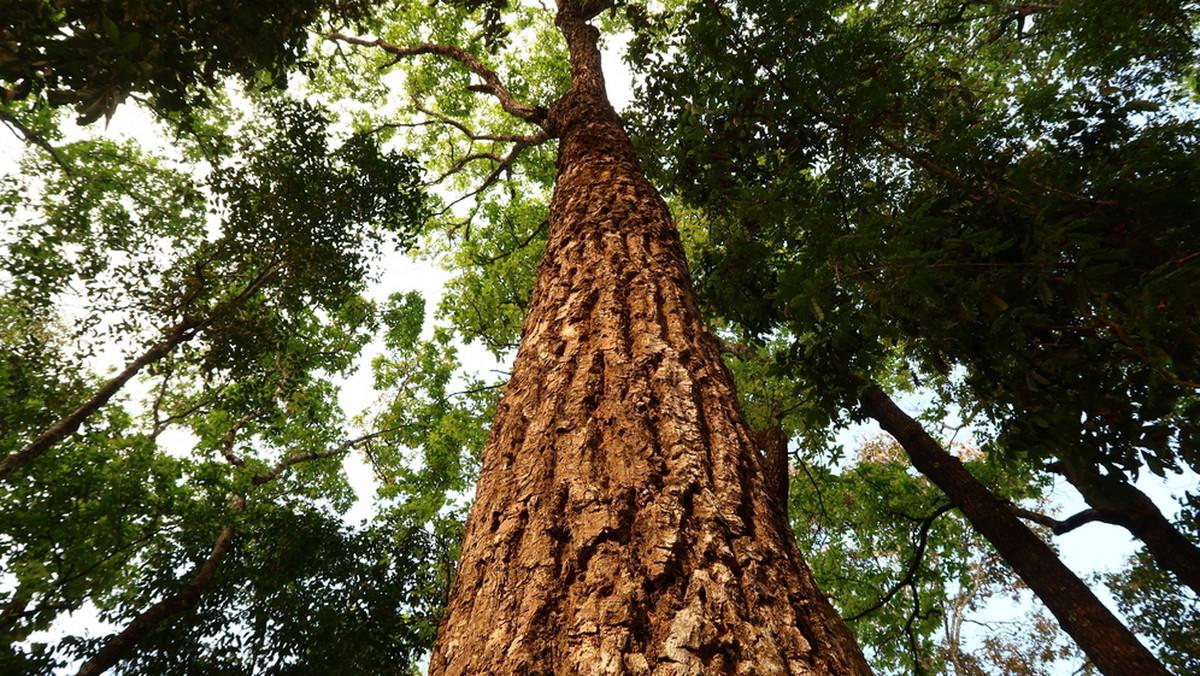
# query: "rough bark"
(1116, 501)
(622, 522)
(1107, 642)
(776, 467)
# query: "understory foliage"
(990, 206)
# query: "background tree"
(268, 287)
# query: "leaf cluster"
(1002, 213)
(92, 54)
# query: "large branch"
(491, 85)
(1064, 526)
(123, 643)
(180, 333)
(68, 425)
(1109, 643)
(1123, 504)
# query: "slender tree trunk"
(123, 643)
(1107, 642)
(1114, 500)
(622, 523)
(71, 423)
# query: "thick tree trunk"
(1107, 642)
(622, 523)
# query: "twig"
(459, 125)
(282, 465)
(504, 165)
(914, 565)
(1123, 335)
(524, 243)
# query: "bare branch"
(462, 162)
(524, 243)
(505, 165)
(1061, 527)
(503, 138)
(491, 86)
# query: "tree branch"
(459, 125)
(32, 137)
(180, 333)
(1105, 639)
(1064, 526)
(491, 85)
(914, 565)
(1118, 502)
(118, 646)
(314, 455)
(505, 164)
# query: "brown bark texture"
(1103, 638)
(622, 521)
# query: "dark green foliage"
(270, 252)
(993, 203)
(93, 53)
(1160, 607)
(302, 593)
(1026, 219)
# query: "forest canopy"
(985, 212)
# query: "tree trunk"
(124, 642)
(1107, 642)
(622, 523)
